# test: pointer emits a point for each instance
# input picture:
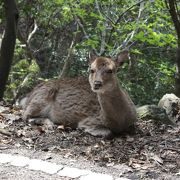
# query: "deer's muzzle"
(97, 85)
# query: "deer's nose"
(97, 84)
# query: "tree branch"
(33, 32)
(120, 17)
(103, 33)
(131, 35)
(138, 18)
(65, 69)
(80, 24)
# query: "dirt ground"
(152, 152)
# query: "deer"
(100, 107)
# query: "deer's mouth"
(97, 85)
(97, 89)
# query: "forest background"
(54, 39)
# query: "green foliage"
(148, 78)
(23, 74)
(105, 27)
(22, 78)
(157, 29)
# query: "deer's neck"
(112, 102)
(117, 110)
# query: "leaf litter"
(152, 150)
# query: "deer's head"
(102, 77)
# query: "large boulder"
(171, 104)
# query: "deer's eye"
(109, 71)
(92, 71)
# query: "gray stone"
(73, 172)
(96, 176)
(50, 168)
(5, 158)
(20, 161)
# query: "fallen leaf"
(61, 127)
(129, 139)
(40, 129)
(157, 159)
(6, 141)
(123, 168)
(4, 109)
(11, 117)
(5, 132)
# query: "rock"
(171, 104)
(50, 168)
(153, 112)
(73, 172)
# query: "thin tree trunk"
(8, 43)
(66, 67)
(177, 79)
(171, 5)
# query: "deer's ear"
(92, 57)
(122, 57)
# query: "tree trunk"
(172, 7)
(66, 67)
(177, 78)
(8, 43)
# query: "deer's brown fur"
(117, 110)
(100, 109)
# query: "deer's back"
(65, 101)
